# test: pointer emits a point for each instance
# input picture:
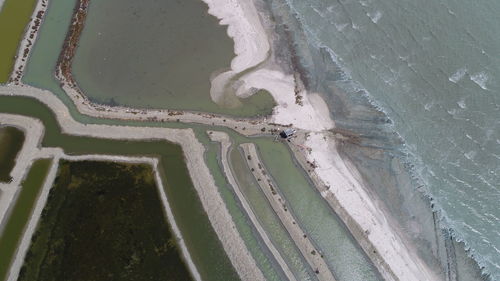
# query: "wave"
(480, 79)
(458, 75)
(414, 164)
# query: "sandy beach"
(337, 180)
(397, 260)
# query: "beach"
(395, 259)
(314, 146)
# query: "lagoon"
(156, 54)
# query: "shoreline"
(391, 257)
(308, 114)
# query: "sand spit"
(251, 46)
(28, 41)
(203, 181)
(225, 142)
(342, 187)
(308, 111)
(279, 205)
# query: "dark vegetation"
(103, 221)
(11, 142)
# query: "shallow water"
(432, 67)
(332, 239)
(11, 235)
(156, 54)
(268, 219)
(262, 256)
(11, 142)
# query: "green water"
(12, 233)
(201, 240)
(264, 259)
(41, 65)
(11, 142)
(268, 219)
(156, 54)
(341, 251)
(14, 16)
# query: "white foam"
(375, 17)
(480, 79)
(462, 104)
(458, 75)
(470, 155)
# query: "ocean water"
(433, 68)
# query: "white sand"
(345, 188)
(399, 261)
(252, 48)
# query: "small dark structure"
(287, 133)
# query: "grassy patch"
(21, 213)
(14, 16)
(11, 142)
(104, 221)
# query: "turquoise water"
(433, 67)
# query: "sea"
(431, 71)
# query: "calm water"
(433, 67)
(156, 54)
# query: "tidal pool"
(11, 142)
(103, 221)
(156, 54)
